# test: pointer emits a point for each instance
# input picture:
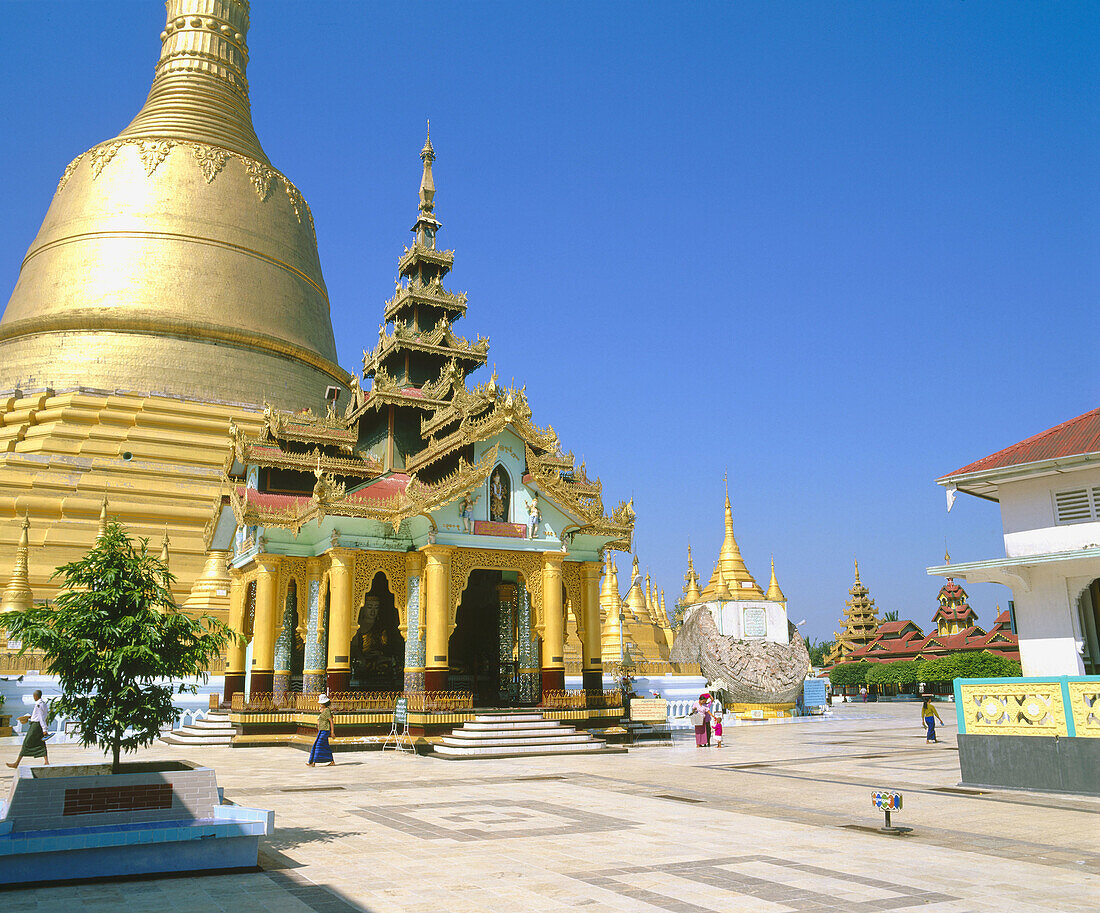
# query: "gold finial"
(102, 531)
(774, 594)
(946, 556)
(18, 596)
(427, 182)
(857, 569)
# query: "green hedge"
(970, 664)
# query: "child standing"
(718, 728)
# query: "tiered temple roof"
(406, 445)
(860, 623)
(957, 631)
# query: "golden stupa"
(174, 287)
(174, 259)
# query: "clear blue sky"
(841, 249)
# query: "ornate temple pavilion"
(860, 623)
(427, 535)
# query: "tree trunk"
(116, 748)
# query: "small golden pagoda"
(18, 596)
(860, 623)
(731, 579)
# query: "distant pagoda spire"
(860, 623)
(691, 583)
(18, 596)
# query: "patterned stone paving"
(778, 821)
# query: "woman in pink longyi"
(701, 717)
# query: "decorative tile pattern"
(489, 819)
(722, 884)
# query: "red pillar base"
(592, 680)
(234, 684)
(553, 680)
(262, 681)
(436, 679)
(337, 681)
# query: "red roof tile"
(1078, 435)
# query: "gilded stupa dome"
(174, 258)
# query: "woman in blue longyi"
(929, 715)
(321, 750)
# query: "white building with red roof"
(1048, 487)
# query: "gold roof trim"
(417, 252)
(431, 293)
(330, 498)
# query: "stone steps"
(510, 735)
(214, 730)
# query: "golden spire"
(857, 570)
(427, 182)
(164, 556)
(635, 599)
(691, 582)
(731, 578)
(199, 90)
(102, 531)
(18, 597)
(774, 594)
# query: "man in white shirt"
(34, 743)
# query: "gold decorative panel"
(1014, 708)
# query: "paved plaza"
(777, 821)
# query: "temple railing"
(440, 701)
(341, 701)
(581, 700)
(1054, 706)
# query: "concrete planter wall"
(64, 823)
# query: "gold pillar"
(263, 634)
(553, 625)
(339, 619)
(234, 659)
(591, 636)
(437, 598)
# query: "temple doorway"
(378, 649)
(490, 650)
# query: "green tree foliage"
(897, 673)
(113, 636)
(971, 664)
(850, 673)
(818, 650)
(890, 616)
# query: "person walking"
(701, 717)
(929, 715)
(321, 750)
(34, 742)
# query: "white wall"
(729, 618)
(1048, 624)
(1027, 514)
